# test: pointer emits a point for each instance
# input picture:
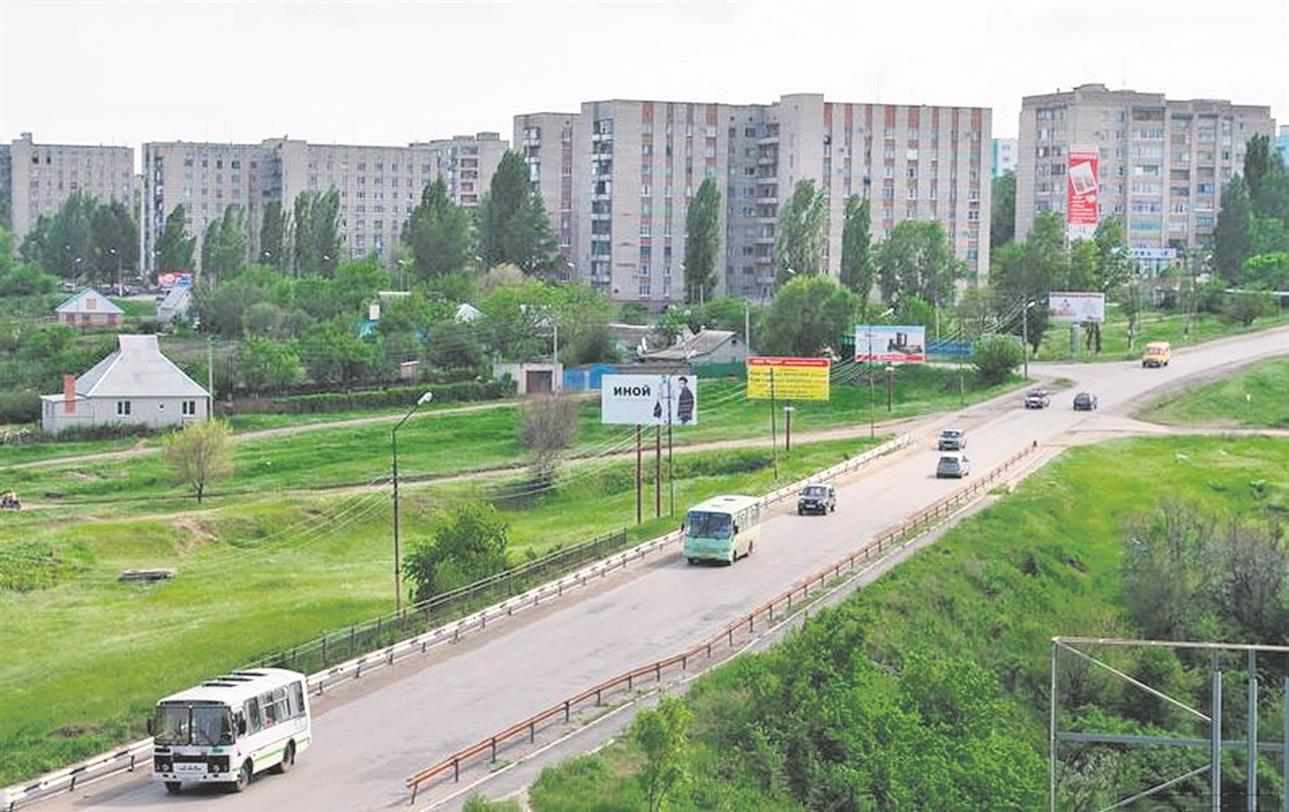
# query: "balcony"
(767, 199)
(764, 239)
(767, 160)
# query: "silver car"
(955, 466)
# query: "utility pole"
(639, 477)
(774, 440)
(747, 327)
(657, 472)
(890, 384)
(1024, 332)
(210, 378)
(671, 470)
(787, 428)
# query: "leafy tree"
(996, 357)
(317, 233)
(266, 365)
(467, 544)
(223, 308)
(275, 242)
(1266, 271)
(265, 320)
(916, 261)
(856, 251)
(1084, 259)
(1231, 237)
(438, 233)
(224, 245)
(1268, 235)
(174, 247)
(1002, 221)
(582, 315)
(1257, 162)
(1245, 308)
(702, 242)
(6, 251)
(662, 735)
(64, 243)
(116, 239)
(1027, 272)
(356, 284)
(807, 315)
(26, 280)
(803, 230)
(1272, 199)
(453, 345)
(334, 355)
(633, 313)
(200, 454)
(548, 425)
(512, 321)
(513, 227)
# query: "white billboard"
(649, 400)
(1076, 307)
(891, 344)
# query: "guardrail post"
(132, 762)
(630, 682)
(494, 749)
(597, 697)
(731, 637)
(324, 651)
(456, 770)
(657, 672)
(378, 627)
(352, 643)
(566, 711)
(532, 732)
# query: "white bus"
(724, 528)
(227, 729)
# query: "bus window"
(211, 725)
(297, 699)
(172, 724)
(254, 722)
(703, 524)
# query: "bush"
(1244, 308)
(19, 407)
(469, 544)
(996, 357)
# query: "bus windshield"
(206, 725)
(703, 524)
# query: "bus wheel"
(243, 777)
(692, 561)
(751, 545)
(288, 759)
(172, 787)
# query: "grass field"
(458, 442)
(1042, 562)
(85, 655)
(1256, 397)
(1152, 326)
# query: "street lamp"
(114, 253)
(398, 556)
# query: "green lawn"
(980, 606)
(1152, 326)
(1256, 397)
(456, 442)
(85, 656)
(137, 308)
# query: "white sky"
(390, 73)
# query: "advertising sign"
(166, 281)
(890, 344)
(788, 378)
(649, 400)
(1076, 307)
(1081, 192)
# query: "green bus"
(724, 528)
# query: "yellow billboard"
(788, 378)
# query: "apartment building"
(42, 176)
(464, 161)
(378, 185)
(1162, 162)
(1004, 156)
(627, 170)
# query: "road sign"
(794, 378)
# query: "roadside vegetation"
(1256, 397)
(928, 689)
(257, 576)
(1172, 326)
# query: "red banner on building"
(1082, 190)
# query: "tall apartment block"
(42, 176)
(378, 186)
(1004, 155)
(1163, 162)
(627, 170)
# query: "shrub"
(1244, 308)
(468, 544)
(462, 392)
(996, 357)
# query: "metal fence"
(893, 537)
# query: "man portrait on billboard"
(685, 402)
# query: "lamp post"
(116, 254)
(398, 551)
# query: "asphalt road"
(368, 741)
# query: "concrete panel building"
(42, 176)
(628, 169)
(1004, 156)
(1163, 162)
(378, 185)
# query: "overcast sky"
(391, 73)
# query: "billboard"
(649, 400)
(788, 378)
(166, 281)
(1081, 192)
(1076, 307)
(890, 344)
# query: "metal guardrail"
(125, 758)
(890, 538)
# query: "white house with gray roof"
(136, 385)
(89, 309)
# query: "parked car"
(952, 440)
(952, 465)
(1037, 399)
(1157, 354)
(816, 498)
(1085, 402)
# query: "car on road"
(954, 466)
(952, 440)
(816, 498)
(1157, 354)
(1037, 398)
(1085, 402)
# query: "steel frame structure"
(1215, 743)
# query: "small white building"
(175, 305)
(136, 385)
(89, 310)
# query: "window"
(254, 722)
(123, 408)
